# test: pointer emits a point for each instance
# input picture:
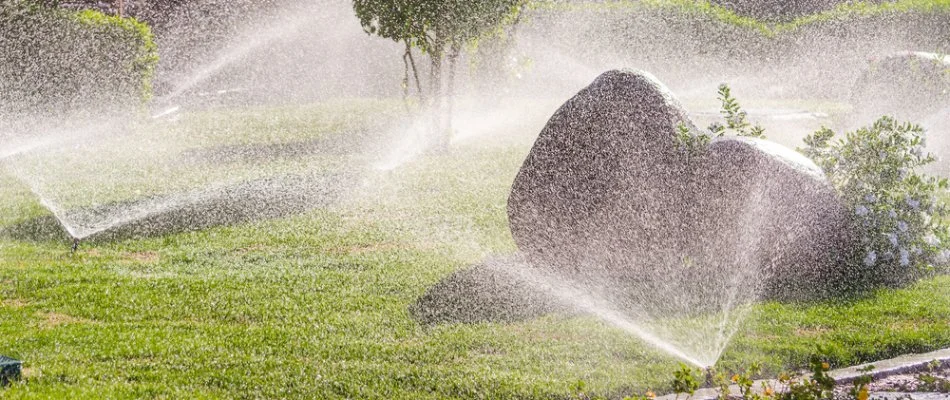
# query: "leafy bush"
(55, 60)
(656, 34)
(897, 216)
(736, 122)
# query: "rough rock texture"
(582, 184)
(771, 208)
(606, 199)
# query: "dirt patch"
(810, 332)
(92, 252)
(31, 373)
(13, 303)
(54, 320)
(145, 257)
(250, 249)
(367, 248)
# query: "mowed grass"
(316, 305)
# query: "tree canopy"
(439, 28)
(433, 24)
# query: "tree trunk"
(415, 74)
(436, 102)
(405, 78)
(450, 95)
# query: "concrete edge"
(905, 364)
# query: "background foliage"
(55, 60)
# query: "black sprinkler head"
(10, 370)
(75, 246)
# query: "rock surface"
(603, 164)
(605, 198)
(773, 210)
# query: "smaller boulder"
(906, 85)
(770, 206)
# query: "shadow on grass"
(44, 228)
(235, 204)
(482, 293)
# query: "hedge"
(56, 61)
(683, 38)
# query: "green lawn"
(316, 305)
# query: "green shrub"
(56, 61)
(735, 122)
(898, 218)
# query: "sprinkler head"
(10, 370)
(710, 375)
(75, 245)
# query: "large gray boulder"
(604, 164)
(607, 200)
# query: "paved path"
(906, 364)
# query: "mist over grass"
(316, 305)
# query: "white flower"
(861, 211)
(916, 251)
(892, 214)
(905, 258)
(870, 197)
(932, 240)
(943, 257)
(871, 259)
(892, 237)
(902, 226)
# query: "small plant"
(896, 212)
(861, 389)
(819, 385)
(579, 389)
(736, 121)
(685, 380)
(690, 142)
(931, 382)
(735, 117)
(744, 382)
